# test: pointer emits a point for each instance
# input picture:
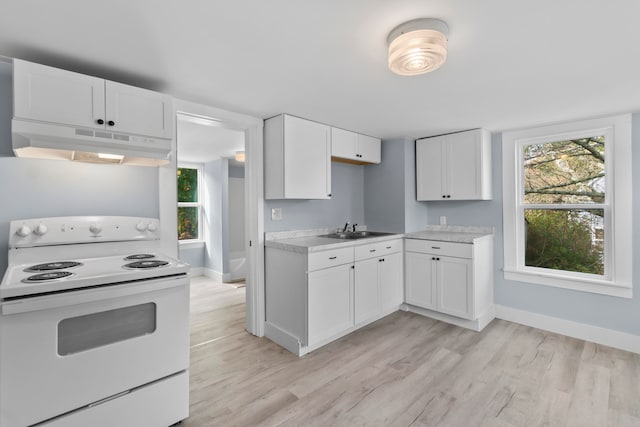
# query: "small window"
(189, 203)
(567, 210)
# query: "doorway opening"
(211, 198)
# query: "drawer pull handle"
(333, 257)
(372, 250)
(388, 247)
(435, 247)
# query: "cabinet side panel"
(274, 158)
(486, 185)
(483, 274)
(285, 291)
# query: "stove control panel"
(81, 229)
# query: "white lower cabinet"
(312, 299)
(330, 302)
(367, 289)
(454, 279)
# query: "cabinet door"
(367, 293)
(307, 159)
(344, 143)
(138, 111)
(52, 95)
(330, 302)
(390, 281)
(430, 168)
(369, 149)
(455, 286)
(464, 154)
(420, 280)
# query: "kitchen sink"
(356, 235)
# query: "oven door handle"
(48, 302)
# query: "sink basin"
(355, 235)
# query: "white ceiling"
(202, 143)
(511, 63)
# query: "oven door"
(62, 352)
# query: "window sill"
(603, 287)
(191, 244)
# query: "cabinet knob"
(448, 196)
(433, 258)
(111, 123)
(100, 121)
(444, 197)
(437, 259)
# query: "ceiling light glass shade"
(418, 46)
(240, 156)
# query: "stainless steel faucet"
(345, 227)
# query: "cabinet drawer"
(378, 249)
(325, 259)
(459, 250)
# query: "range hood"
(55, 141)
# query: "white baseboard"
(212, 274)
(475, 325)
(197, 271)
(596, 334)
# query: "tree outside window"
(565, 204)
(189, 203)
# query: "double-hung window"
(567, 205)
(190, 208)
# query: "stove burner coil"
(58, 265)
(140, 256)
(53, 275)
(146, 264)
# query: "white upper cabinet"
(52, 95)
(48, 94)
(454, 167)
(138, 111)
(297, 158)
(353, 147)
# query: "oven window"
(82, 333)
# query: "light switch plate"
(276, 214)
(443, 220)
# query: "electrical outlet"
(276, 214)
(443, 220)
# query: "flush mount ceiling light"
(418, 46)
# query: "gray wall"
(34, 188)
(346, 204)
(390, 190)
(192, 256)
(604, 311)
(216, 229)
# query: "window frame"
(199, 242)
(617, 280)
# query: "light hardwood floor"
(403, 370)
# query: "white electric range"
(93, 325)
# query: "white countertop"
(306, 244)
(305, 241)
